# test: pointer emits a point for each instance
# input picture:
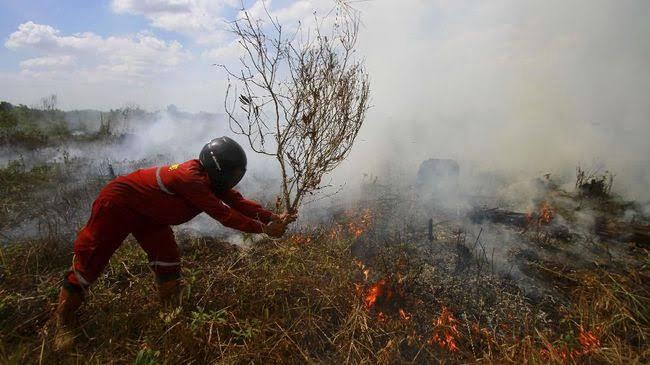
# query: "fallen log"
(523, 221)
(638, 233)
(501, 216)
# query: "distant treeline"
(45, 125)
(35, 127)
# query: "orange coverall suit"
(146, 203)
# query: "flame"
(404, 314)
(334, 233)
(445, 331)
(363, 268)
(588, 340)
(301, 239)
(375, 291)
(544, 215)
(589, 343)
(357, 228)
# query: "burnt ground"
(566, 282)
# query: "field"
(371, 282)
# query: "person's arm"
(247, 207)
(200, 195)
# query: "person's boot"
(169, 292)
(65, 317)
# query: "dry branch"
(301, 98)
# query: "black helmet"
(225, 162)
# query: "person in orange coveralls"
(145, 204)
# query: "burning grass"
(352, 291)
(315, 302)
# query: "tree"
(300, 98)
(49, 103)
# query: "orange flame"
(301, 239)
(588, 340)
(589, 343)
(334, 233)
(358, 228)
(363, 268)
(445, 331)
(377, 290)
(546, 213)
(543, 217)
(404, 314)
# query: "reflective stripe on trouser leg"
(170, 271)
(165, 271)
(80, 277)
(74, 277)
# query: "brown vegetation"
(306, 299)
(302, 96)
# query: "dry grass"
(301, 300)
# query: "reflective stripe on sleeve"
(160, 182)
(162, 263)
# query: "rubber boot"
(65, 317)
(169, 292)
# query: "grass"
(302, 300)
(308, 298)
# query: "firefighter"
(146, 203)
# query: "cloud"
(204, 21)
(292, 16)
(137, 57)
(35, 35)
(48, 62)
(151, 6)
(200, 20)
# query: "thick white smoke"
(529, 87)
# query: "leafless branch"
(300, 98)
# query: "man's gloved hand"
(285, 217)
(276, 228)
(279, 223)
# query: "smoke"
(522, 88)
(525, 88)
(511, 90)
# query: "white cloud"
(34, 35)
(48, 62)
(203, 20)
(297, 11)
(301, 13)
(199, 19)
(151, 6)
(140, 56)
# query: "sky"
(107, 54)
(531, 85)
